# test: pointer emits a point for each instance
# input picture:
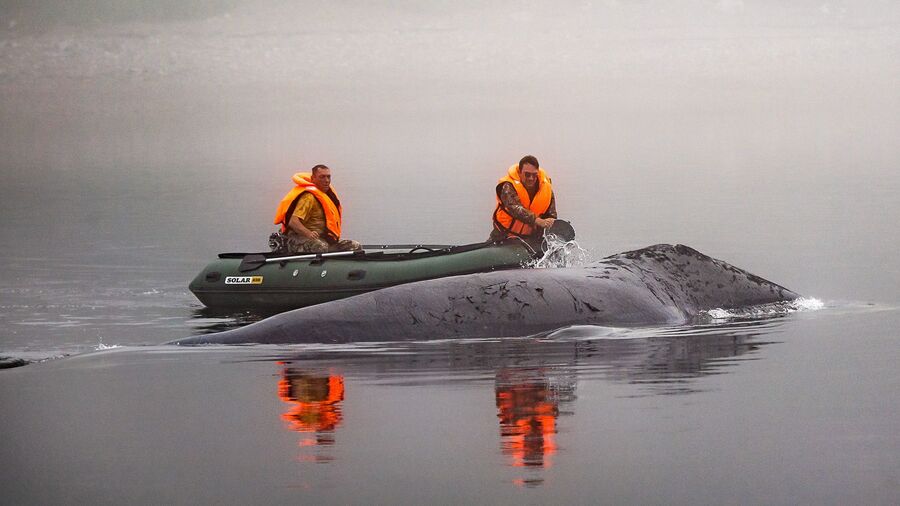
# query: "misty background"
(157, 134)
(138, 139)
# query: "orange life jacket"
(503, 221)
(331, 207)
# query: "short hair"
(318, 167)
(530, 160)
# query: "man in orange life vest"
(310, 216)
(525, 203)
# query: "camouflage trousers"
(291, 243)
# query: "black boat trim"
(416, 252)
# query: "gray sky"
(671, 112)
(77, 73)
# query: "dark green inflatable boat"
(278, 282)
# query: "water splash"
(100, 346)
(559, 253)
(764, 310)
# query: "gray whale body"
(657, 285)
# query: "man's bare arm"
(296, 225)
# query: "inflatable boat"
(276, 282)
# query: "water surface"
(139, 141)
(797, 409)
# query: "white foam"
(100, 346)
(766, 310)
(808, 304)
(719, 314)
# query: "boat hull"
(284, 285)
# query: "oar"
(253, 262)
(406, 246)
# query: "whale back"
(658, 285)
(695, 281)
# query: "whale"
(658, 285)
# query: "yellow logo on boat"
(243, 280)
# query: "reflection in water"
(527, 413)
(315, 399)
(528, 405)
(534, 379)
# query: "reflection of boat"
(269, 281)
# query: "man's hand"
(544, 223)
(297, 226)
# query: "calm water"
(136, 145)
(788, 411)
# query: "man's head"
(321, 177)
(528, 171)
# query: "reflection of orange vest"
(527, 414)
(331, 207)
(503, 221)
(315, 401)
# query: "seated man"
(310, 217)
(525, 203)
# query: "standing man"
(525, 203)
(310, 216)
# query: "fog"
(274, 83)
(141, 138)
(727, 123)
